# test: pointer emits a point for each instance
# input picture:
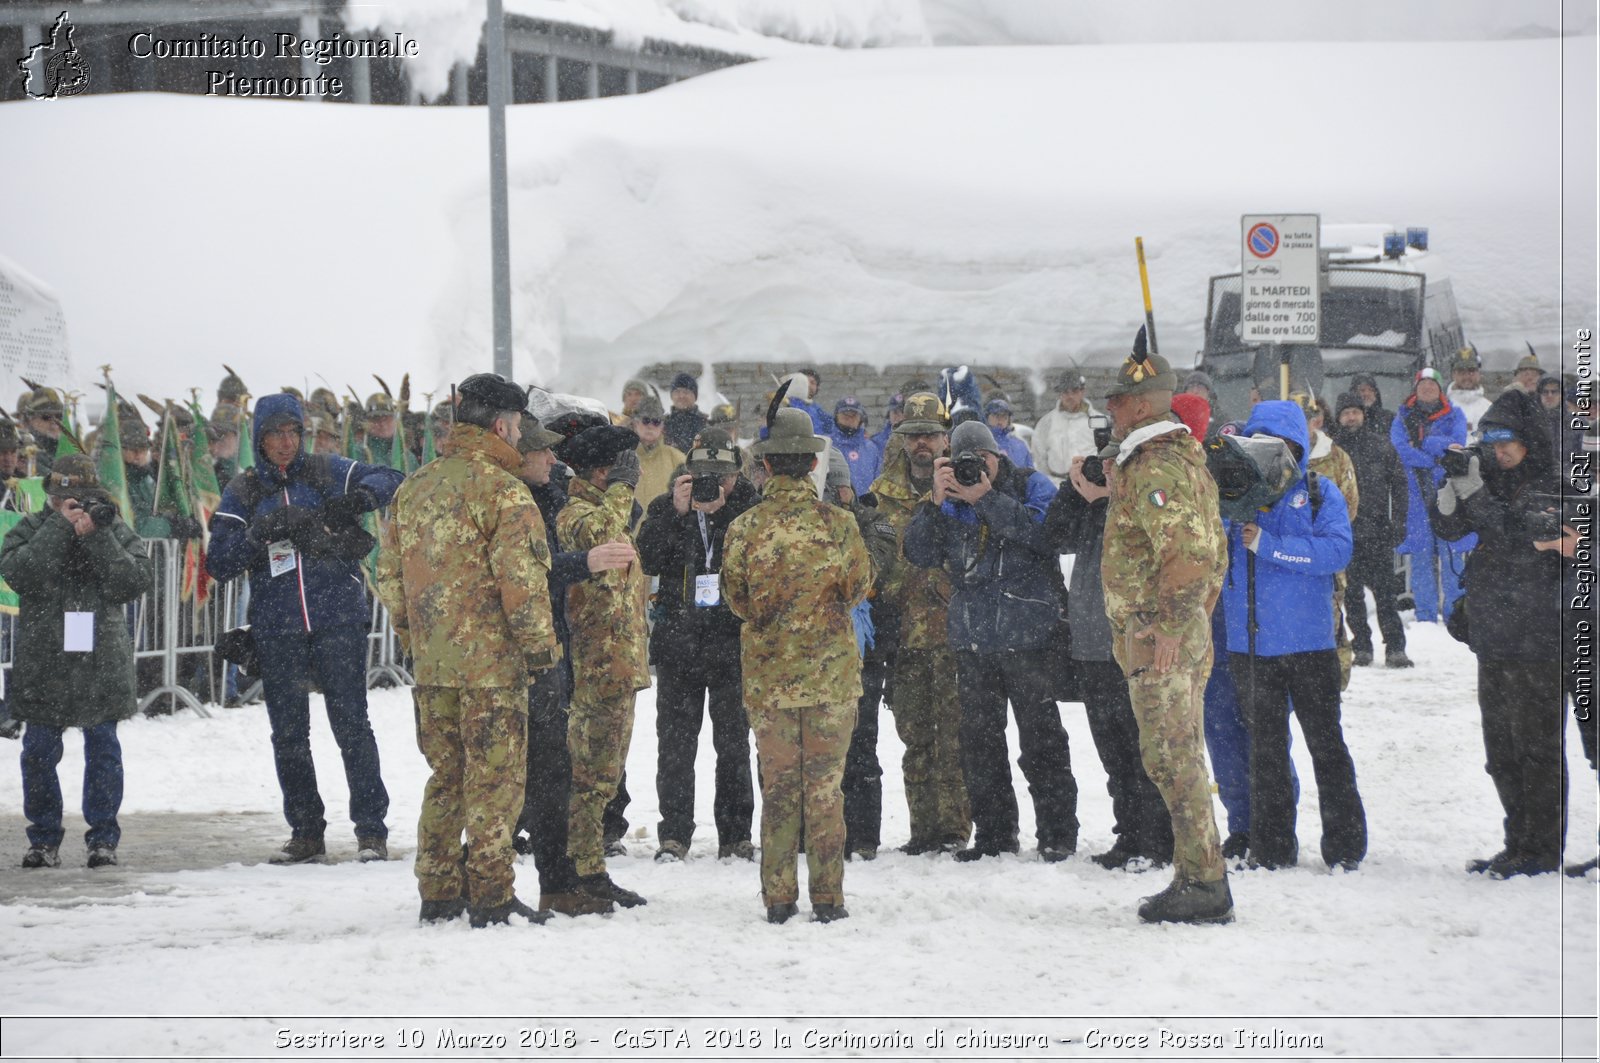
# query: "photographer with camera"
(1512, 597)
(984, 525)
(73, 568)
(292, 522)
(1075, 523)
(1281, 618)
(695, 648)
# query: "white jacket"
(1471, 403)
(1059, 437)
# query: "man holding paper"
(73, 567)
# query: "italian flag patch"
(1158, 498)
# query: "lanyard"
(705, 538)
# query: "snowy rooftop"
(882, 205)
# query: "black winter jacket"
(671, 547)
(1076, 526)
(1006, 582)
(1382, 484)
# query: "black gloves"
(348, 507)
(183, 528)
(625, 469)
(285, 522)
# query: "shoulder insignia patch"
(1158, 498)
(1297, 500)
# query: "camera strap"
(705, 538)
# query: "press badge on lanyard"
(707, 586)
(281, 557)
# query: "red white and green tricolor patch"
(1158, 498)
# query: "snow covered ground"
(1409, 957)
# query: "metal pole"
(499, 231)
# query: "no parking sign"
(1280, 292)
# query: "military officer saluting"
(793, 568)
(1162, 568)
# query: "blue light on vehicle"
(1394, 245)
(1417, 237)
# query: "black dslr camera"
(1459, 462)
(705, 487)
(1094, 466)
(969, 468)
(99, 506)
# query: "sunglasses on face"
(53, 418)
(653, 422)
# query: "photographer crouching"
(1513, 591)
(73, 567)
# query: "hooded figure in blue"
(1293, 549)
(849, 437)
(293, 523)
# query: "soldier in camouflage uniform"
(793, 568)
(925, 703)
(1162, 567)
(609, 650)
(463, 574)
(380, 430)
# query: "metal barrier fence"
(174, 642)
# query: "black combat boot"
(601, 886)
(1119, 856)
(782, 913)
(1523, 864)
(300, 851)
(502, 913)
(828, 913)
(575, 902)
(1580, 870)
(1188, 901)
(983, 849)
(1484, 863)
(442, 911)
(1236, 845)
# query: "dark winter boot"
(983, 849)
(828, 913)
(1190, 902)
(1397, 659)
(42, 856)
(300, 851)
(1118, 856)
(782, 913)
(1054, 854)
(442, 911)
(102, 856)
(502, 913)
(1522, 864)
(1580, 870)
(1361, 658)
(601, 886)
(920, 847)
(1236, 845)
(372, 850)
(1482, 864)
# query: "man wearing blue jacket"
(849, 438)
(293, 523)
(1427, 425)
(1005, 603)
(1286, 558)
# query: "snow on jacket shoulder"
(1302, 544)
(318, 592)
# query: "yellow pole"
(1144, 284)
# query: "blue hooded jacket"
(1420, 439)
(860, 453)
(1014, 448)
(1297, 555)
(320, 592)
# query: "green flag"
(247, 440)
(172, 485)
(206, 489)
(430, 448)
(108, 463)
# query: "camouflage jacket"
(921, 596)
(465, 566)
(1330, 459)
(793, 567)
(1164, 554)
(610, 652)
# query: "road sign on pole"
(1281, 298)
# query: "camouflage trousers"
(599, 730)
(927, 717)
(475, 740)
(1169, 708)
(801, 752)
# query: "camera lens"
(705, 488)
(968, 469)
